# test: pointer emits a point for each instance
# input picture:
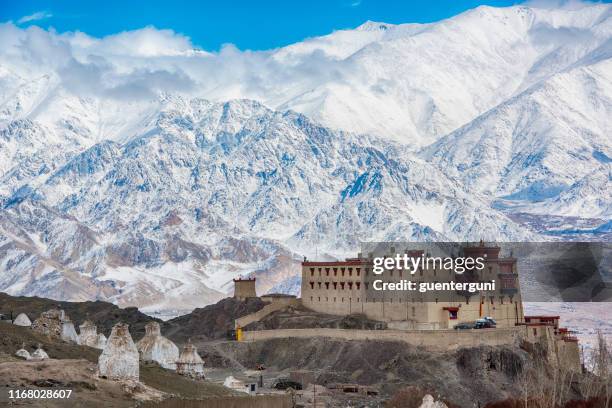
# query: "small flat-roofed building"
(543, 320)
(244, 288)
(560, 342)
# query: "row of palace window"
(348, 285)
(357, 286)
(335, 270)
(341, 299)
(367, 271)
(390, 300)
(373, 300)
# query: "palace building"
(345, 287)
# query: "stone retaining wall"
(435, 340)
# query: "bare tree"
(545, 384)
(525, 384)
(602, 367)
(598, 381)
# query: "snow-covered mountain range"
(136, 169)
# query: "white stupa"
(189, 362)
(55, 323)
(429, 402)
(88, 334)
(22, 320)
(40, 354)
(23, 353)
(119, 359)
(155, 347)
(68, 332)
(101, 341)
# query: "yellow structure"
(238, 333)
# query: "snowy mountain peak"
(374, 26)
(153, 176)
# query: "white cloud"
(142, 62)
(39, 15)
(346, 70)
(145, 42)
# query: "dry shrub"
(507, 403)
(407, 397)
(593, 402)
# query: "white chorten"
(88, 334)
(119, 359)
(40, 354)
(22, 320)
(155, 347)
(68, 332)
(429, 402)
(189, 362)
(23, 353)
(55, 323)
(101, 341)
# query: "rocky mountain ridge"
(133, 179)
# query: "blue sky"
(247, 24)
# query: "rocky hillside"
(212, 322)
(74, 367)
(465, 377)
(105, 315)
(209, 323)
(462, 377)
